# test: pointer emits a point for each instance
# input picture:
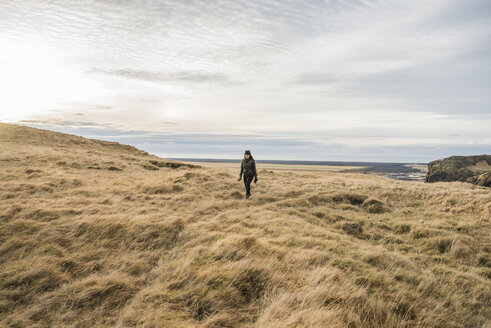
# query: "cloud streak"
(184, 77)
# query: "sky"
(340, 80)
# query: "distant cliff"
(473, 169)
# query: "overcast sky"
(403, 81)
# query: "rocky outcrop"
(473, 169)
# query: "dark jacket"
(248, 166)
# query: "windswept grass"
(98, 234)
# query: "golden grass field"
(99, 234)
(274, 166)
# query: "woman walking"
(248, 168)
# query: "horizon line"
(273, 161)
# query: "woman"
(248, 167)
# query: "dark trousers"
(247, 182)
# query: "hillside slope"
(98, 234)
(473, 169)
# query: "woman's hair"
(248, 152)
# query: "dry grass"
(98, 234)
(481, 166)
(276, 167)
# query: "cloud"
(324, 77)
(179, 77)
(103, 107)
(73, 124)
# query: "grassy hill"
(99, 234)
(473, 169)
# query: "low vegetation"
(473, 169)
(99, 234)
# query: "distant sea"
(399, 171)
